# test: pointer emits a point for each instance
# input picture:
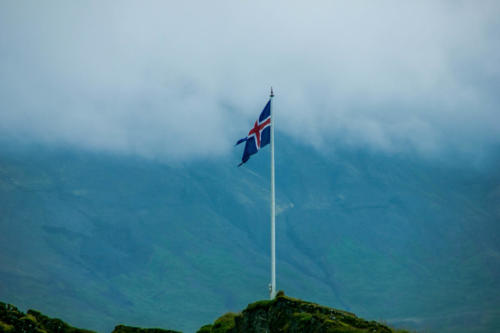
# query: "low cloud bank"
(182, 80)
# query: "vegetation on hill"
(14, 321)
(282, 314)
(130, 329)
(286, 314)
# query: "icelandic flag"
(259, 136)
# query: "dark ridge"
(282, 314)
(130, 329)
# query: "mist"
(186, 80)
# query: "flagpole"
(273, 208)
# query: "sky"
(186, 79)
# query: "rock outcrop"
(131, 329)
(14, 321)
(286, 314)
(282, 314)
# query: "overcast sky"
(187, 78)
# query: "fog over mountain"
(121, 202)
(100, 239)
(184, 80)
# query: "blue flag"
(259, 136)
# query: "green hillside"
(98, 238)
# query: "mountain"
(101, 238)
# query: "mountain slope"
(109, 237)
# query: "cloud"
(183, 79)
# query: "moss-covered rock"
(14, 321)
(282, 314)
(225, 323)
(205, 329)
(286, 314)
(131, 329)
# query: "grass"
(5, 327)
(224, 323)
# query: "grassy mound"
(14, 321)
(287, 314)
(282, 314)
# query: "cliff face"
(286, 314)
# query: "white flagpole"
(273, 209)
